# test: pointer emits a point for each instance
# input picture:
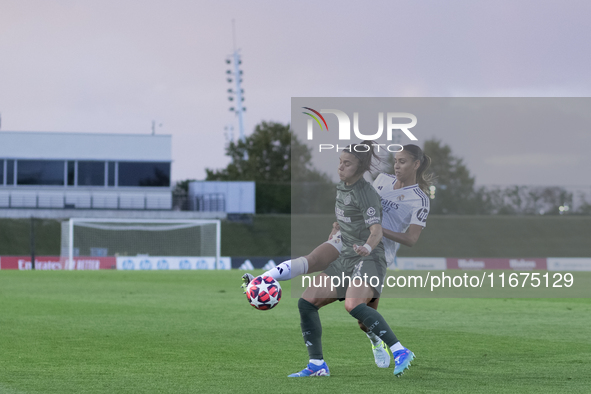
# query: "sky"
(115, 66)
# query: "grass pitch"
(192, 332)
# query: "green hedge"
(445, 236)
(474, 236)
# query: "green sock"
(375, 323)
(311, 328)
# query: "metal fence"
(48, 200)
(215, 202)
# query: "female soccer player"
(405, 209)
(359, 210)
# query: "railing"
(61, 201)
(214, 202)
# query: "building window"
(144, 174)
(91, 173)
(10, 172)
(111, 173)
(40, 172)
(71, 172)
(1, 172)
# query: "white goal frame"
(218, 231)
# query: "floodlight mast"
(237, 93)
(238, 79)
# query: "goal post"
(164, 240)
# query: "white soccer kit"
(401, 208)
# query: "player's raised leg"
(316, 261)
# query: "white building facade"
(235, 197)
(85, 171)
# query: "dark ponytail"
(424, 180)
(364, 152)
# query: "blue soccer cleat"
(312, 370)
(402, 359)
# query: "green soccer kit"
(357, 208)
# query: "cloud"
(112, 66)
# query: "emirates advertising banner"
(56, 263)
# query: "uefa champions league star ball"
(263, 293)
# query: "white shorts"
(336, 241)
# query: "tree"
(585, 208)
(180, 195)
(182, 187)
(455, 192)
(265, 156)
(454, 185)
(526, 200)
(262, 156)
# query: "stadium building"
(52, 174)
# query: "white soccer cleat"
(381, 355)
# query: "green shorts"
(372, 268)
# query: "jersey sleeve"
(377, 181)
(383, 181)
(420, 212)
(370, 206)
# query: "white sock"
(280, 272)
(316, 362)
(373, 338)
(289, 269)
(299, 267)
(397, 346)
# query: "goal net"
(143, 244)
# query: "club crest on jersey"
(347, 199)
(400, 197)
(371, 211)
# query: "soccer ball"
(263, 292)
